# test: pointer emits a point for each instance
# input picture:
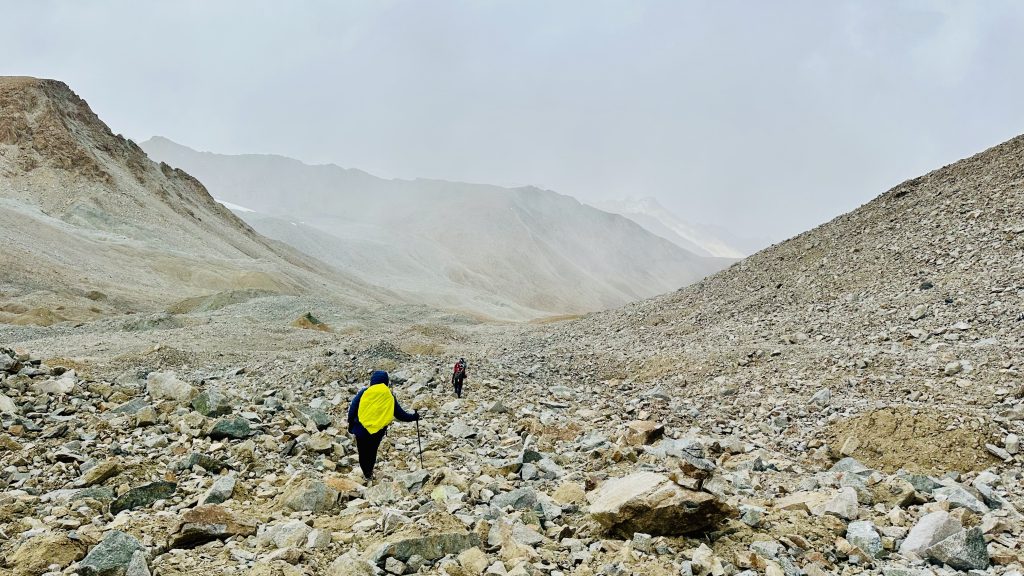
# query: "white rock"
(7, 405)
(63, 385)
(930, 529)
(166, 385)
(822, 397)
(1012, 443)
(318, 538)
(292, 533)
(843, 505)
(862, 534)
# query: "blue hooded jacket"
(355, 427)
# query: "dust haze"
(764, 119)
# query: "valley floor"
(240, 463)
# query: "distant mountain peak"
(652, 215)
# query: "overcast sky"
(767, 118)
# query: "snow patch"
(234, 207)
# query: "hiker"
(458, 375)
(369, 414)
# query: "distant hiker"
(369, 414)
(458, 375)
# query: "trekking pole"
(418, 444)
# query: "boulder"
(7, 406)
(111, 557)
(473, 561)
(208, 463)
(570, 493)
(929, 530)
(964, 550)
(8, 363)
(212, 402)
(221, 491)
(960, 497)
(346, 487)
(651, 503)
(351, 565)
(99, 473)
(308, 415)
(292, 533)
(143, 496)
(165, 385)
(642, 432)
(207, 523)
(385, 493)
(308, 493)
(520, 499)
(842, 504)
(138, 565)
(863, 535)
(63, 385)
(433, 546)
(39, 552)
(803, 501)
(230, 427)
(460, 429)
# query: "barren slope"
(506, 253)
(89, 224)
(914, 299)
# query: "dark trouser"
(458, 385)
(367, 446)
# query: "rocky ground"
(181, 444)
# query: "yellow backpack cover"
(376, 408)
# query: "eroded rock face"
(651, 503)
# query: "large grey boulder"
(143, 496)
(234, 427)
(959, 497)
(653, 504)
(863, 535)
(520, 499)
(929, 530)
(7, 363)
(111, 557)
(212, 402)
(964, 550)
(221, 490)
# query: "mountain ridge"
(73, 191)
(543, 252)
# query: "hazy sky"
(764, 117)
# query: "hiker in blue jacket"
(369, 415)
